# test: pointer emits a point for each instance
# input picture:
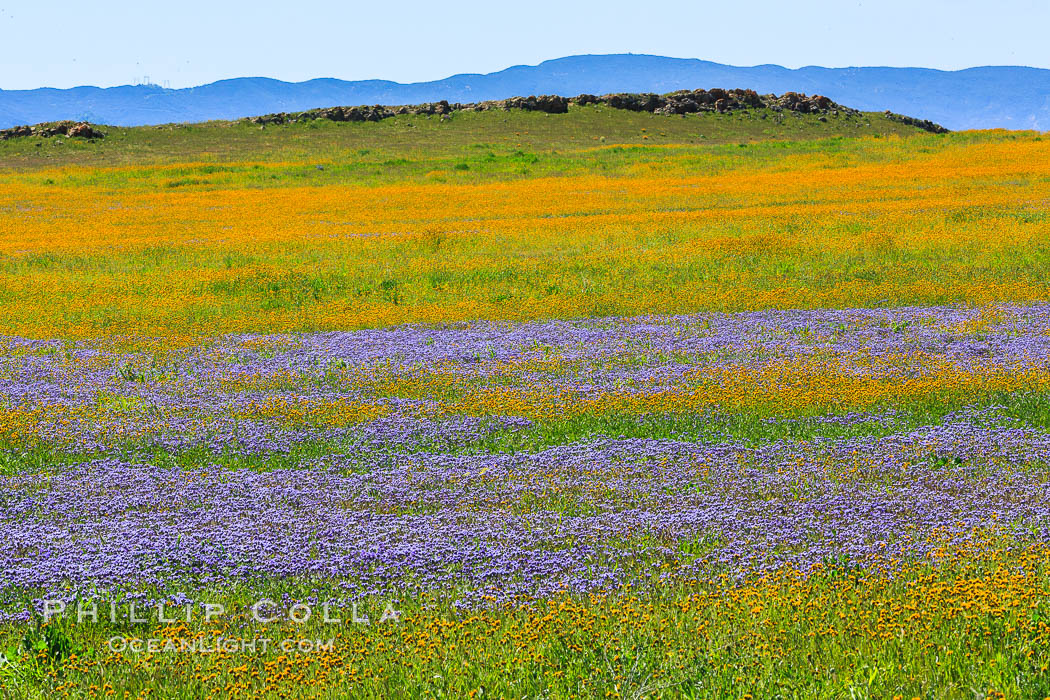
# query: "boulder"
(551, 104)
(84, 130)
(15, 132)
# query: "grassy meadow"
(456, 222)
(604, 404)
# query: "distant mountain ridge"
(975, 98)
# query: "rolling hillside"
(406, 144)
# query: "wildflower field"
(587, 405)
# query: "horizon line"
(512, 67)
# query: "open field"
(686, 505)
(762, 414)
(497, 232)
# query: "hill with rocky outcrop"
(680, 102)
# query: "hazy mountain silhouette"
(1009, 97)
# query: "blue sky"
(191, 42)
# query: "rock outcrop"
(924, 124)
(81, 130)
(680, 102)
(551, 104)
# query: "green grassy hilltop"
(418, 137)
